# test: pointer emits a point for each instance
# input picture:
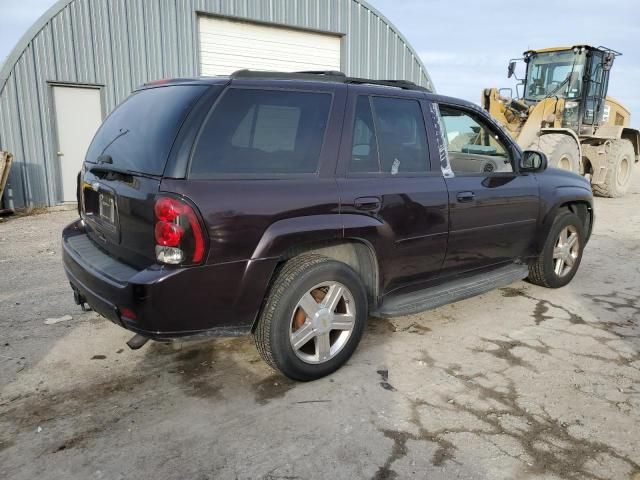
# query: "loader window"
(555, 74)
(473, 146)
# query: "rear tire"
(619, 171)
(559, 259)
(561, 150)
(313, 318)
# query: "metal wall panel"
(120, 44)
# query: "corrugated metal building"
(83, 57)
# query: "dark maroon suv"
(293, 206)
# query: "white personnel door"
(230, 45)
(78, 116)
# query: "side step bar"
(433, 297)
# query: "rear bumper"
(216, 300)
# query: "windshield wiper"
(108, 168)
(551, 94)
(123, 132)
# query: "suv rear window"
(262, 132)
(138, 135)
(389, 137)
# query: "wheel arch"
(573, 202)
(340, 237)
(324, 235)
(356, 253)
(633, 135)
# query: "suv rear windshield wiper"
(106, 168)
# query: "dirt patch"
(384, 375)
(195, 370)
(510, 292)
(378, 326)
(270, 388)
(504, 351)
(542, 307)
(5, 444)
(619, 301)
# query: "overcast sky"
(466, 44)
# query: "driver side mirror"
(512, 69)
(533, 161)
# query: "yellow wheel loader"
(563, 110)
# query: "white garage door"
(228, 45)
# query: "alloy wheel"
(322, 322)
(566, 251)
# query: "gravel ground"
(522, 382)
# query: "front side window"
(389, 136)
(472, 145)
(262, 132)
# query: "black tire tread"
(283, 281)
(537, 273)
(550, 142)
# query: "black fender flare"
(293, 232)
(562, 196)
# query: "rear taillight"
(179, 236)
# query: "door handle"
(367, 204)
(466, 197)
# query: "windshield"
(555, 74)
(140, 132)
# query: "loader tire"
(561, 150)
(619, 172)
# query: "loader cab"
(579, 75)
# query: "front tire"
(313, 318)
(561, 150)
(561, 254)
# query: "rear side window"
(262, 132)
(389, 136)
(139, 134)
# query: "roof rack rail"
(327, 76)
(403, 84)
(332, 73)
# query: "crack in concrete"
(546, 443)
(615, 301)
(543, 306)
